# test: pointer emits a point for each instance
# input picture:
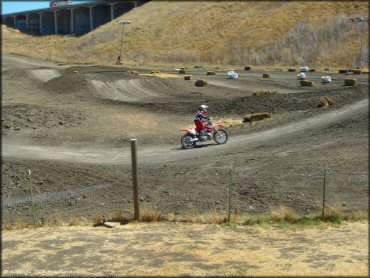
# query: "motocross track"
(71, 126)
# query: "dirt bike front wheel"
(187, 141)
(221, 136)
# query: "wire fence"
(247, 191)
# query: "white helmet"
(203, 108)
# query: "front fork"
(216, 130)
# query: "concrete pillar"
(55, 23)
(91, 19)
(27, 21)
(41, 27)
(111, 12)
(72, 22)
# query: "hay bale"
(187, 77)
(325, 101)
(356, 71)
(266, 75)
(265, 92)
(292, 70)
(247, 68)
(329, 100)
(249, 118)
(182, 71)
(230, 122)
(306, 83)
(211, 73)
(349, 82)
(200, 82)
(342, 71)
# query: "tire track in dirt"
(168, 153)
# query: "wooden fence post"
(230, 184)
(323, 194)
(135, 179)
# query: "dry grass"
(148, 214)
(52, 221)
(100, 218)
(282, 215)
(283, 212)
(284, 33)
(193, 250)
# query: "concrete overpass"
(76, 19)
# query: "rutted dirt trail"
(171, 153)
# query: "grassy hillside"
(218, 33)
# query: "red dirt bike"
(215, 132)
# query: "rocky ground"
(71, 126)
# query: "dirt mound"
(68, 84)
(35, 117)
(14, 74)
(123, 90)
(45, 75)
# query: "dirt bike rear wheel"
(186, 141)
(221, 136)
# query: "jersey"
(200, 116)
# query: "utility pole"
(123, 22)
